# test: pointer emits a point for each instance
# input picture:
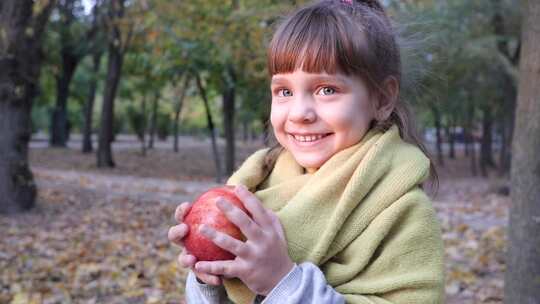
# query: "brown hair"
(349, 37)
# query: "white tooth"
(308, 138)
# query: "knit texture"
(362, 218)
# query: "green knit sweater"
(362, 218)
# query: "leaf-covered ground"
(101, 236)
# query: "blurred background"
(138, 105)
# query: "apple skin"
(205, 211)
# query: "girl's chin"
(311, 165)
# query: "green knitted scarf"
(362, 218)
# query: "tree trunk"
(211, 128)
(59, 124)
(114, 71)
(473, 156)
(450, 135)
(486, 145)
(89, 106)
(20, 63)
(466, 140)
(228, 119)
(178, 110)
(143, 133)
(522, 277)
(17, 188)
(153, 121)
(437, 119)
(104, 153)
(470, 138)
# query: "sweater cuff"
(285, 287)
(208, 291)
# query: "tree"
(153, 119)
(178, 108)
(89, 105)
(225, 43)
(22, 23)
(523, 261)
(116, 50)
(211, 127)
(96, 53)
(78, 35)
(70, 56)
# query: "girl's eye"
(284, 93)
(326, 91)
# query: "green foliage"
(451, 59)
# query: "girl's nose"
(302, 111)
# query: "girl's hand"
(186, 260)
(262, 260)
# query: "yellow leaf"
(21, 298)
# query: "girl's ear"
(387, 101)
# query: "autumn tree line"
(158, 68)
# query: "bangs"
(318, 40)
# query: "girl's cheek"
(277, 116)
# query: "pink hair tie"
(347, 1)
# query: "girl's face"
(317, 115)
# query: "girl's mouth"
(309, 138)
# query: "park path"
(453, 196)
(138, 188)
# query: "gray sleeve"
(197, 293)
(304, 284)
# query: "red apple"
(205, 211)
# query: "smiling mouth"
(309, 138)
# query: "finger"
(177, 233)
(253, 205)
(238, 217)
(208, 278)
(223, 268)
(225, 241)
(278, 228)
(186, 260)
(181, 211)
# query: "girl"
(338, 214)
